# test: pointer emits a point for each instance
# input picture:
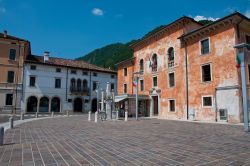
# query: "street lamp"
(136, 76)
(242, 56)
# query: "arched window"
(73, 85)
(170, 57)
(44, 104)
(85, 84)
(141, 66)
(79, 85)
(32, 104)
(153, 63)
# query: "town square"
(100, 83)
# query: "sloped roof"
(11, 37)
(53, 61)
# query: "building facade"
(188, 71)
(13, 51)
(59, 85)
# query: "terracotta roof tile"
(53, 61)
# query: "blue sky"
(70, 29)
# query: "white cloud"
(97, 12)
(198, 18)
(2, 10)
(247, 13)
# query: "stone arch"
(44, 104)
(32, 104)
(55, 104)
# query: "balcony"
(79, 90)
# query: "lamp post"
(136, 76)
(242, 56)
(97, 96)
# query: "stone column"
(102, 105)
(151, 107)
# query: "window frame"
(30, 81)
(125, 74)
(141, 66)
(173, 72)
(85, 73)
(169, 110)
(58, 70)
(73, 72)
(56, 83)
(112, 84)
(141, 87)
(95, 74)
(125, 85)
(168, 61)
(10, 54)
(6, 99)
(212, 104)
(211, 72)
(209, 46)
(156, 81)
(14, 74)
(31, 67)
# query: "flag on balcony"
(134, 83)
(238, 61)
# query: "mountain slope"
(112, 54)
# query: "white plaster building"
(56, 84)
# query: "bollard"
(117, 115)
(1, 135)
(67, 113)
(36, 114)
(52, 114)
(11, 121)
(22, 116)
(96, 116)
(89, 119)
(126, 116)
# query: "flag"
(134, 83)
(238, 61)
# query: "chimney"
(5, 33)
(46, 56)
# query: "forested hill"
(112, 54)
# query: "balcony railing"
(79, 90)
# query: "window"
(205, 46)
(85, 73)
(95, 74)
(95, 85)
(171, 80)
(125, 72)
(206, 73)
(73, 72)
(171, 105)
(249, 72)
(85, 84)
(171, 57)
(72, 84)
(12, 55)
(141, 85)
(9, 99)
(11, 76)
(112, 86)
(207, 101)
(155, 84)
(153, 64)
(125, 88)
(58, 70)
(248, 41)
(112, 76)
(32, 67)
(141, 66)
(79, 85)
(32, 81)
(57, 83)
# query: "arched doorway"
(78, 105)
(44, 104)
(94, 105)
(55, 105)
(32, 104)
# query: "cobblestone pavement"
(75, 141)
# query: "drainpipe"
(67, 77)
(186, 74)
